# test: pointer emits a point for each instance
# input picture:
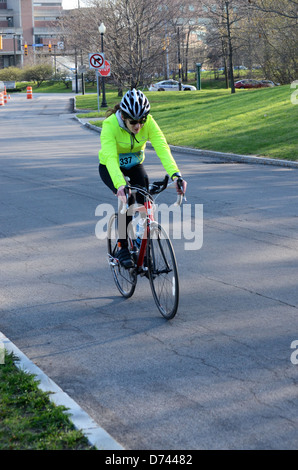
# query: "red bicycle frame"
(149, 217)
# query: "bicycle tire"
(125, 279)
(163, 271)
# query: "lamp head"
(102, 28)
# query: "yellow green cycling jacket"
(119, 148)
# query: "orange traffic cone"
(29, 93)
(1, 99)
(5, 95)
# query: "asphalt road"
(220, 375)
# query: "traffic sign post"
(103, 69)
(97, 62)
(97, 85)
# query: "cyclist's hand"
(180, 185)
(121, 194)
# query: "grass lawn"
(53, 87)
(28, 419)
(259, 122)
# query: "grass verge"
(250, 122)
(28, 419)
(53, 86)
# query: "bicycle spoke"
(163, 273)
(125, 279)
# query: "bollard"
(1, 99)
(29, 93)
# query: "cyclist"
(123, 140)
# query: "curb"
(95, 434)
(235, 157)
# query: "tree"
(135, 33)
(285, 8)
(226, 17)
(134, 36)
(142, 39)
(182, 29)
(38, 73)
(275, 28)
(9, 74)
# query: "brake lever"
(179, 200)
(125, 206)
(180, 197)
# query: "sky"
(68, 4)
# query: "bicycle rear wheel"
(163, 271)
(125, 279)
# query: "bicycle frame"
(148, 207)
(149, 217)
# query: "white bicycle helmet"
(135, 104)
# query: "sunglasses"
(141, 121)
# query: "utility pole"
(76, 71)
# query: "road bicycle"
(153, 256)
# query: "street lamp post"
(179, 60)
(102, 30)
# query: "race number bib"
(128, 160)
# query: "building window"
(9, 21)
(45, 4)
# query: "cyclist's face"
(134, 126)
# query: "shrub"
(37, 73)
(11, 74)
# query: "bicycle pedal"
(144, 272)
(112, 261)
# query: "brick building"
(27, 22)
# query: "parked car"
(237, 67)
(170, 85)
(248, 83)
(268, 83)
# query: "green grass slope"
(259, 122)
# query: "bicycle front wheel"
(163, 271)
(125, 279)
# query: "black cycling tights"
(138, 176)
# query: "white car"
(170, 85)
